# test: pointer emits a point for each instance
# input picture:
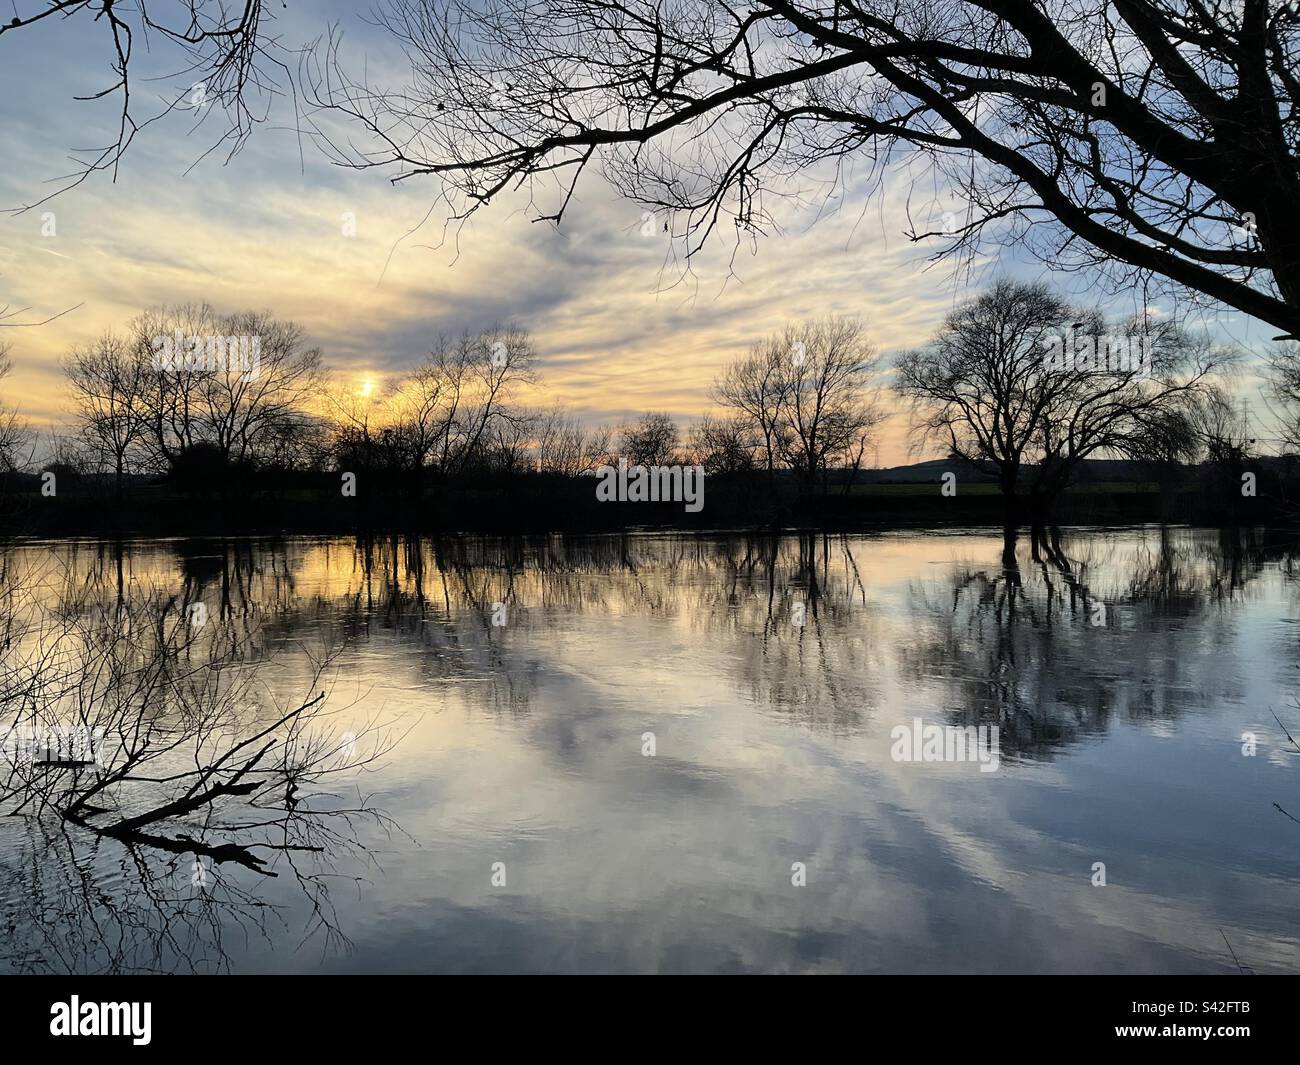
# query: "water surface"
(511, 690)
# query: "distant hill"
(1090, 471)
(930, 472)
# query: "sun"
(367, 387)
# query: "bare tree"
(1154, 138)
(420, 410)
(756, 387)
(447, 410)
(174, 398)
(724, 445)
(510, 449)
(108, 383)
(1223, 433)
(989, 389)
(1162, 444)
(1221, 427)
(13, 429)
(445, 414)
(299, 442)
(651, 440)
(829, 406)
(358, 422)
(564, 447)
(802, 398)
(216, 57)
(230, 381)
(67, 452)
(1283, 392)
(242, 407)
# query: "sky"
(618, 329)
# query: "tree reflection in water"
(209, 760)
(159, 784)
(1053, 648)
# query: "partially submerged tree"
(1153, 138)
(990, 388)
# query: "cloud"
(622, 322)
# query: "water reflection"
(521, 676)
(138, 732)
(1056, 649)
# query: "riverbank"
(316, 503)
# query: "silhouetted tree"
(1283, 388)
(828, 409)
(565, 447)
(230, 381)
(13, 429)
(651, 440)
(755, 387)
(987, 388)
(723, 445)
(1155, 139)
(803, 398)
(108, 384)
(217, 57)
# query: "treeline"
(205, 399)
(1017, 384)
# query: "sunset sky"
(618, 330)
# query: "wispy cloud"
(621, 323)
